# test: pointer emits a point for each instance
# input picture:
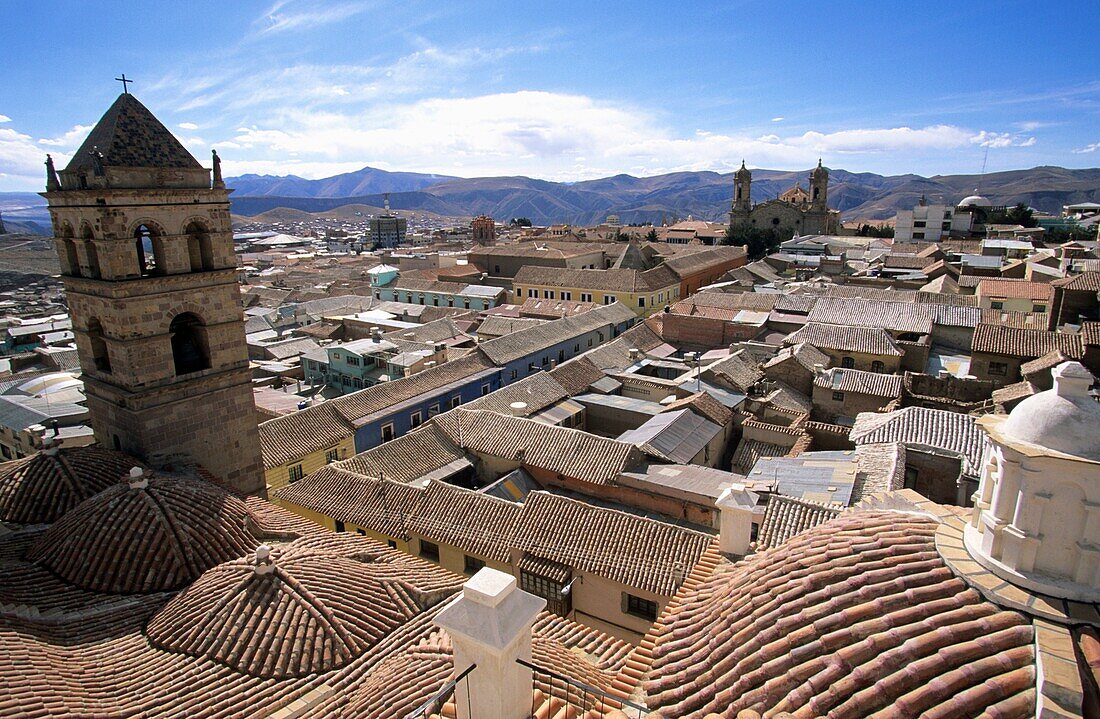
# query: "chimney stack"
(519, 409)
(737, 506)
(490, 628)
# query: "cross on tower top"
(125, 81)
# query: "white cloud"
(187, 126)
(1001, 139)
(778, 119)
(1087, 148)
(549, 135)
(21, 160)
(305, 15)
(5, 118)
(70, 139)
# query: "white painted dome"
(1065, 419)
(975, 201)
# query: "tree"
(868, 230)
(520, 222)
(1021, 214)
(651, 236)
(757, 242)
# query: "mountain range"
(702, 195)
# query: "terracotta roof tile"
(647, 554)
(1016, 289)
(40, 488)
(923, 427)
(560, 450)
(866, 340)
(1031, 344)
(150, 539)
(786, 517)
(856, 617)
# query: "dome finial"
(138, 479)
(264, 563)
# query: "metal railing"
(435, 704)
(578, 694)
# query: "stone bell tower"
(742, 194)
(819, 188)
(147, 259)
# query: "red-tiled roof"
(854, 617)
(150, 539)
(40, 488)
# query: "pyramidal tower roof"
(128, 135)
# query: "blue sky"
(562, 90)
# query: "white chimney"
(519, 409)
(490, 628)
(737, 505)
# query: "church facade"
(803, 212)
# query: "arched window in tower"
(72, 260)
(189, 348)
(817, 191)
(150, 251)
(200, 250)
(100, 356)
(92, 267)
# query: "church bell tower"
(742, 194)
(143, 235)
(819, 188)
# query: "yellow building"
(643, 291)
(301, 443)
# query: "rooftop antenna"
(977, 190)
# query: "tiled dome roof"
(304, 613)
(40, 488)
(132, 538)
(858, 617)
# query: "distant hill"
(367, 181)
(702, 195)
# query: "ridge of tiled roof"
(310, 613)
(921, 426)
(561, 450)
(481, 524)
(128, 135)
(866, 340)
(859, 381)
(369, 502)
(406, 458)
(1032, 344)
(650, 555)
(502, 350)
(146, 539)
(297, 434)
(804, 353)
(1016, 289)
(862, 604)
(42, 487)
(360, 405)
(786, 517)
(1085, 282)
